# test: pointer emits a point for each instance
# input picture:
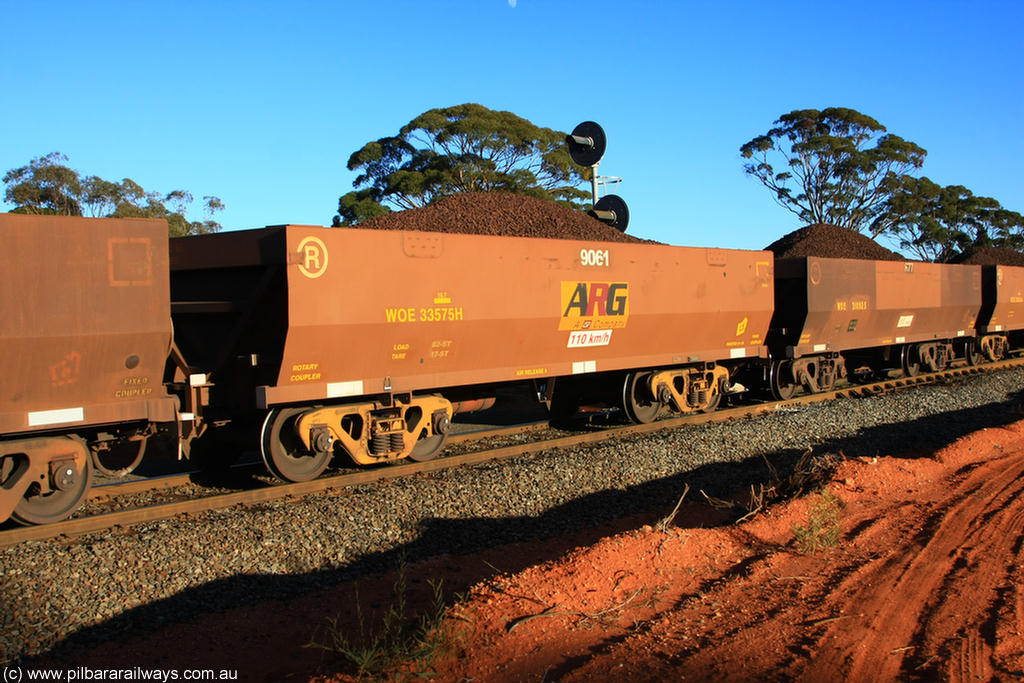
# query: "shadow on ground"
(236, 622)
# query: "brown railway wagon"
(906, 312)
(303, 315)
(84, 341)
(1002, 310)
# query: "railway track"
(115, 489)
(126, 518)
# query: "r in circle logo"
(312, 257)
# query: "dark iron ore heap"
(987, 256)
(498, 213)
(511, 215)
(831, 241)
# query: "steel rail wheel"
(283, 452)
(427, 447)
(638, 402)
(781, 388)
(973, 354)
(70, 482)
(911, 367)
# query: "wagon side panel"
(376, 311)
(86, 328)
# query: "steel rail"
(100, 522)
(169, 481)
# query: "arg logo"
(594, 305)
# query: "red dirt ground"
(924, 584)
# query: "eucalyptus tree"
(465, 148)
(834, 166)
(46, 185)
(937, 223)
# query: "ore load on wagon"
(830, 241)
(500, 214)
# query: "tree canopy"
(47, 186)
(841, 167)
(465, 148)
(936, 223)
(832, 166)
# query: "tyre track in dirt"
(997, 535)
(925, 584)
(903, 597)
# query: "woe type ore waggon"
(311, 343)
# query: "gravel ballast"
(66, 595)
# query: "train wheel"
(283, 452)
(427, 447)
(974, 355)
(782, 388)
(911, 367)
(70, 483)
(637, 402)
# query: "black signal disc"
(613, 203)
(587, 155)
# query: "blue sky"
(261, 103)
